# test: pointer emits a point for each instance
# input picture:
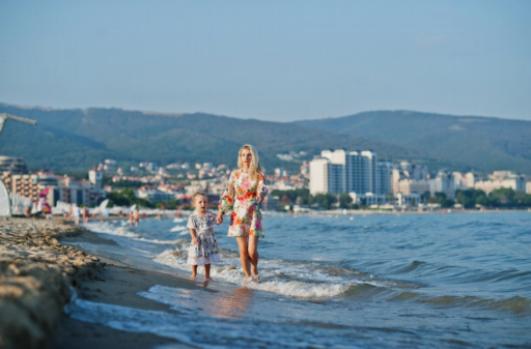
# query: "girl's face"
(246, 157)
(200, 203)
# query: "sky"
(274, 60)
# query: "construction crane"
(5, 116)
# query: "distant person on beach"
(131, 217)
(104, 214)
(85, 213)
(76, 214)
(136, 216)
(242, 198)
(203, 249)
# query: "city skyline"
(275, 61)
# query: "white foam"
(128, 319)
(277, 276)
(110, 229)
(182, 230)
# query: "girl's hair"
(196, 195)
(254, 167)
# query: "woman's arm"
(226, 201)
(261, 189)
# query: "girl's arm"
(193, 234)
(192, 229)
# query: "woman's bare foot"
(255, 278)
(193, 277)
(246, 280)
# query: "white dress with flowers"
(206, 251)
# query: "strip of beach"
(40, 273)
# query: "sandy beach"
(39, 273)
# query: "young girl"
(203, 249)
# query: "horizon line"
(177, 114)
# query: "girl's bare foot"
(193, 277)
(255, 278)
(207, 280)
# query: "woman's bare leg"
(207, 271)
(253, 254)
(244, 254)
(207, 275)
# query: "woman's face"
(246, 157)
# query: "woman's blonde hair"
(254, 167)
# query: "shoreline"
(36, 273)
(40, 272)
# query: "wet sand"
(40, 272)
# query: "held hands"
(194, 240)
(219, 217)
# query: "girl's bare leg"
(253, 254)
(244, 254)
(194, 272)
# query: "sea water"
(361, 281)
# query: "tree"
(470, 197)
(344, 200)
(441, 199)
(324, 201)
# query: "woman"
(242, 198)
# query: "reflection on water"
(231, 305)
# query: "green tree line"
(469, 199)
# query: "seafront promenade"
(37, 274)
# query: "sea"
(427, 280)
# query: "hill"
(464, 142)
(74, 139)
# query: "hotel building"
(354, 172)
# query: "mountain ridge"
(80, 137)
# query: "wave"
(517, 304)
(124, 230)
(179, 229)
(111, 229)
(304, 280)
(414, 265)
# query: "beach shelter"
(5, 206)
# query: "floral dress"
(206, 251)
(240, 199)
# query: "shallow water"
(375, 281)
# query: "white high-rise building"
(443, 183)
(96, 178)
(368, 172)
(318, 176)
(339, 171)
(383, 178)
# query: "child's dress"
(240, 200)
(206, 251)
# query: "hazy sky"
(274, 60)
